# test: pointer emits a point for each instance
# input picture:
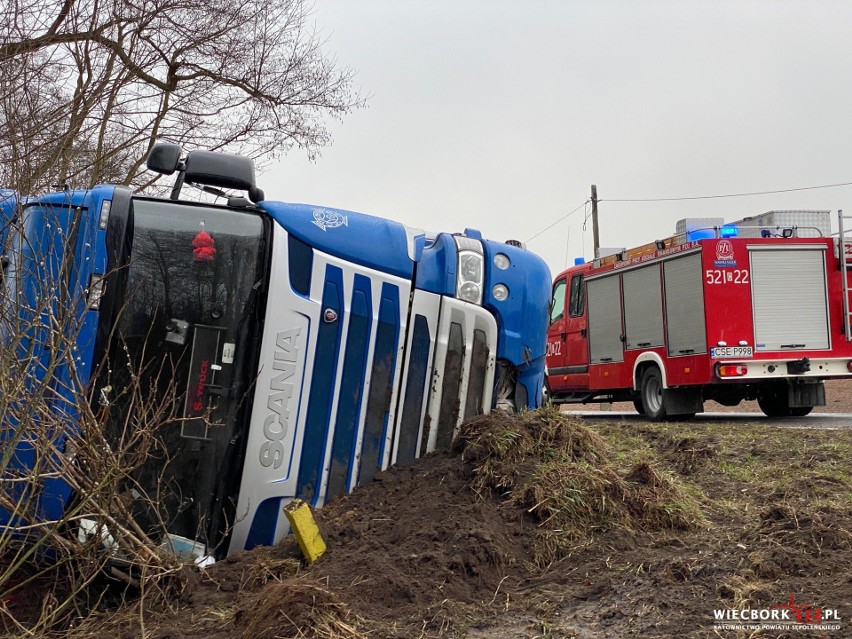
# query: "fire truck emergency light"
(700, 234)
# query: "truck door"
(556, 333)
(576, 338)
(567, 347)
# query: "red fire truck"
(729, 313)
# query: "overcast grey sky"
(500, 115)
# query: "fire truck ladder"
(845, 254)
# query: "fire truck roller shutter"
(684, 286)
(604, 300)
(789, 298)
(643, 307)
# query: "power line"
(712, 197)
(586, 218)
(695, 197)
(558, 221)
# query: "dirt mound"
(419, 535)
(457, 526)
(428, 547)
(538, 526)
(562, 474)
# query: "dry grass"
(297, 608)
(268, 565)
(812, 530)
(562, 474)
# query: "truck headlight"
(103, 218)
(470, 270)
(502, 261)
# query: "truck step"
(577, 398)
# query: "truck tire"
(637, 404)
(774, 402)
(800, 411)
(651, 391)
(773, 407)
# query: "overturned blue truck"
(305, 348)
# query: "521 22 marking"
(726, 276)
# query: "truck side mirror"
(164, 158)
(222, 170)
(255, 194)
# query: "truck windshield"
(190, 304)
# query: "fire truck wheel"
(772, 400)
(800, 411)
(652, 393)
(637, 404)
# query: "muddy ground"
(655, 527)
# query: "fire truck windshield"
(191, 298)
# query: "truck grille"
(371, 387)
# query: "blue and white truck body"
(325, 345)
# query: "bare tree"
(58, 538)
(88, 86)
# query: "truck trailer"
(310, 347)
(726, 313)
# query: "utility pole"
(595, 221)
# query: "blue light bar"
(729, 230)
(700, 234)
(578, 261)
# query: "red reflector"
(849, 366)
(731, 370)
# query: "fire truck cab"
(753, 309)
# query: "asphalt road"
(814, 420)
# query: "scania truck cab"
(308, 347)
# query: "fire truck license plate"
(731, 351)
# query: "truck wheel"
(800, 411)
(772, 400)
(637, 404)
(652, 394)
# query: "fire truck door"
(567, 340)
(576, 335)
(556, 331)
